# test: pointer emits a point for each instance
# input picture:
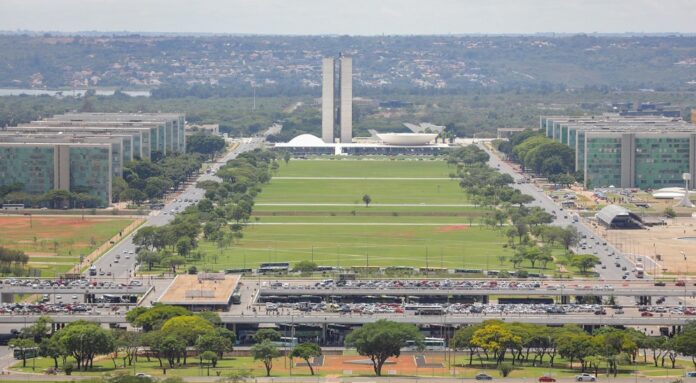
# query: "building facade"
(646, 152)
(339, 109)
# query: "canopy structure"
(615, 217)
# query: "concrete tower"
(328, 115)
(346, 101)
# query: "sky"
(351, 17)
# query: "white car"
(585, 378)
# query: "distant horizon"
(204, 34)
(352, 17)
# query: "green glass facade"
(603, 167)
(89, 170)
(661, 161)
(29, 165)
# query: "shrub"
(505, 369)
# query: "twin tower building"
(337, 99)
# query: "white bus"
(429, 344)
(286, 341)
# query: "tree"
(367, 200)
(570, 236)
(497, 339)
(24, 345)
(462, 340)
(153, 318)
(211, 357)
(188, 328)
(134, 195)
(669, 212)
(305, 266)
(685, 342)
(39, 330)
(383, 339)
(584, 262)
(265, 351)
(205, 144)
(212, 342)
(52, 348)
(306, 351)
(268, 334)
(85, 340)
(505, 369)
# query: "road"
(564, 218)
(125, 249)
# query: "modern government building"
(646, 152)
(83, 152)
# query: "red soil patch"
(448, 228)
(56, 226)
(405, 364)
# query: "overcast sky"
(355, 17)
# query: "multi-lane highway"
(606, 253)
(125, 250)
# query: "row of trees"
(219, 216)
(146, 179)
(53, 199)
(539, 345)
(544, 156)
(206, 144)
(13, 262)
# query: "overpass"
(445, 320)
(688, 291)
(9, 289)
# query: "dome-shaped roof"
(306, 140)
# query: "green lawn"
(365, 167)
(360, 245)
(281, 367)
(311, 228)
(351, 191)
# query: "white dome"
(406, 138)
(306, 140)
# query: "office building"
(337, 110)
(84, 152)
(45, 166)
(346, 101)
(328, 113)
(647, 152)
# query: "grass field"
(297, 219)
(336, 365)
(54, 244)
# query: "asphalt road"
(565, 218)
(125, 249)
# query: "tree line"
(219, 216)
(539, 345)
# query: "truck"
(93, 270)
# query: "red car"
(547, 379)
(646, 314)
(680, 283)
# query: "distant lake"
(71, 92)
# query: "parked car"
(585, 378)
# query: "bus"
(430, 310)
(640, 273)
(29, 353)
(429, 344)
(109, 298)
(272, 267)
(93, 270)
(286, 341)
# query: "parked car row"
(411, 284)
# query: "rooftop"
(200, 289)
